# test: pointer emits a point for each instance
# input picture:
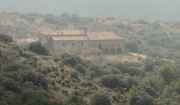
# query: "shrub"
(80, 68)
(100, 99)
(68, 59)
(167, 73)
(62, 69)
(142, 100)
(52, 75)
(38, 48)
(112, 81)
(64, 91)
(74, 100)
(44, 83)
(121, 26)
(67, 81)
(10, 84)
(135, 71)
(12, 67)
(141, 32)
(74, 74)
(6, 38)
(62, 77)
(96, 69)
(86, 83)
(92, 74)
(53, 82)
(59, 80)
(26, 54)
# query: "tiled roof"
(62, 32)
(70, 37)
(79, 35)
(103, 36)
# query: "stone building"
(60, 40)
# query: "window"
(99, 46)
(82, 43)
(72, 44)
(63, 44)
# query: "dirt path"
(125, 56)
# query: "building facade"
(57, 41)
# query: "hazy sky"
(165, 10)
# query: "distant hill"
(148, 10)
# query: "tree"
(149, 65)
(5, 38)
(38, 48)
(167, 92)
(132, 46)
(167, 73)
(137, 98)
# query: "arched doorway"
(106, 50)
(118, 49)
(113, 50)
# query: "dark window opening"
(72, 44)
(112, 49)
(63, 44)
(82, 43)
(118, 49)
(99, 46)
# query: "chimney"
(85, 30)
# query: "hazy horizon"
(149, 10)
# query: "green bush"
(135, 71)
(92, 74)
(100, 99)
(6, 38)
(64, 91)
(142, 100)
(52, 75)
(74, 74)
(12, 67)
(74, 100)
(38, 48)
(112, 81)
(86, 84)
(80, 68)
(96, 69)
(62, 77)
(62, 69)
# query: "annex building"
(60, 40)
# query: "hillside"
(68, 79)
(141, 36)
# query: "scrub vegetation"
(31, 75)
